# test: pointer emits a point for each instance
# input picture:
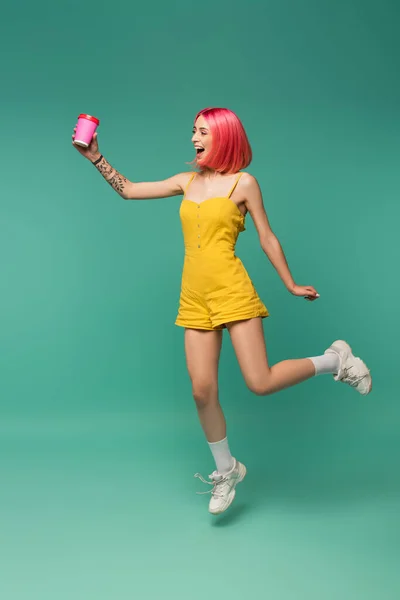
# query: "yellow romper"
(215, 288)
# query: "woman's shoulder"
(186, 175)
(247, 179)
(184, 178)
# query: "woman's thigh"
(202, 350)
(249, 345)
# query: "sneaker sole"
(242, 475)
(342, 345)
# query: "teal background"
(98, 432)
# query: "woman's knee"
(260, 386)
(204, 392)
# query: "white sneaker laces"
(215, 492)
(353, 379)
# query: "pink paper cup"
(85, 129)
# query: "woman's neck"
(210, 174)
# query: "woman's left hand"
(307, 291)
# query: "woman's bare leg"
(202, 355)
(202, 349)
(249, 345)
(338, 360)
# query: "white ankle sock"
(327, 363)
(222, 455)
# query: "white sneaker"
(223, 492)
(352, 369)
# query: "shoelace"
(353, 379)
(215, 492)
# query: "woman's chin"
(200, 159)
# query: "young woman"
(216, 291)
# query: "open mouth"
(199, 151)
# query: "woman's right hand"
(92, 151)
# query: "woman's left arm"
(268, 240)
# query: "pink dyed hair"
(230, 151)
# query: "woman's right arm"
(129, 190)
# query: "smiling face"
(202, 138)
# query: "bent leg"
(250, 349)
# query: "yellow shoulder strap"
(189, 182)
(235, 184)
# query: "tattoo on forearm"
(111, 175)
(118, 182)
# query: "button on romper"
(215, 288)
